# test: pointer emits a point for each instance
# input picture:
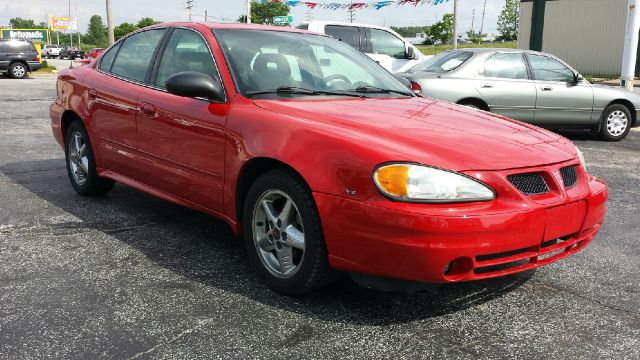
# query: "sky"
(228, 10)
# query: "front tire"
(615, 122)
(81, 164)
(283, 234)
(18, 70)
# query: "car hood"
(430, 132)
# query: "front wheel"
(81, 165)
(283, 234)
(615, 122)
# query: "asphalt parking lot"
(130, 276)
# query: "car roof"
(503, 50)
(235, 26)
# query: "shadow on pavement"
(203, 249)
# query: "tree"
(144, 22)
(443, 29)
(508, 20)
(263, 13)
(123, 29)
(96, 32)
(20, 23)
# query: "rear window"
(444, 62)
(348, 34)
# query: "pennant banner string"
(375, 5)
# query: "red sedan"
(323, 161)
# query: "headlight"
(417, 183)
(581, 157)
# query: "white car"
(51, 51)
(382, 44)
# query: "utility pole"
(484, 7)
(205, 15)
(630, 45)
(455, 24)
(189, 7)
(110, 24)
(78, 23)
(352, 12)
(473, 17)
(248, 11)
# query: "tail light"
(416, 88)
(38, 58)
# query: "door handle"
(148, 109)
(485, 86)
(92, 94)
(546, 88)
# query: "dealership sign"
(60, 23)
(35, 35)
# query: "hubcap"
(19, 71)
(278, 233)
(617, 123)
(78, 159)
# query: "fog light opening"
(457, 268)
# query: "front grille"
(569, 176)
(529, 184)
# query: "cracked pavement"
(128, 276)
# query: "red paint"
(192, 152)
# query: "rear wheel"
(615, 122)
(81, 165)
(283, 234)
(18, 70)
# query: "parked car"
(529, 86)
(50, 51)
(18, 57)
(320, 158)
(382, 44)
(71, 52)
(94, 52)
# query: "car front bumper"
(426, 244)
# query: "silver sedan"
(529, 86)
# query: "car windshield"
(444, 62)
(306, 64)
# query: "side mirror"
(410, 53)
(195, 84)
(577, 78)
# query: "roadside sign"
(35, 35)
(282, 19)
(63, 23)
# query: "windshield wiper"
(377, 90)
(300, 90)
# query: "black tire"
(313, 270)
(611, 132)
(18, 70)
(90, 183)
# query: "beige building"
(588, 34)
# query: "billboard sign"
(63, 23)
(35, 35)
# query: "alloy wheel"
(78, 158)
(278, 233)
(19, 71)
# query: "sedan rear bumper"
(376, 240)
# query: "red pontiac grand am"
(321, 159)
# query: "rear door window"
(136, 53)
(348, 34)
(506, 66)
(107, 59)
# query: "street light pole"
(110, 24)
(455, 24)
